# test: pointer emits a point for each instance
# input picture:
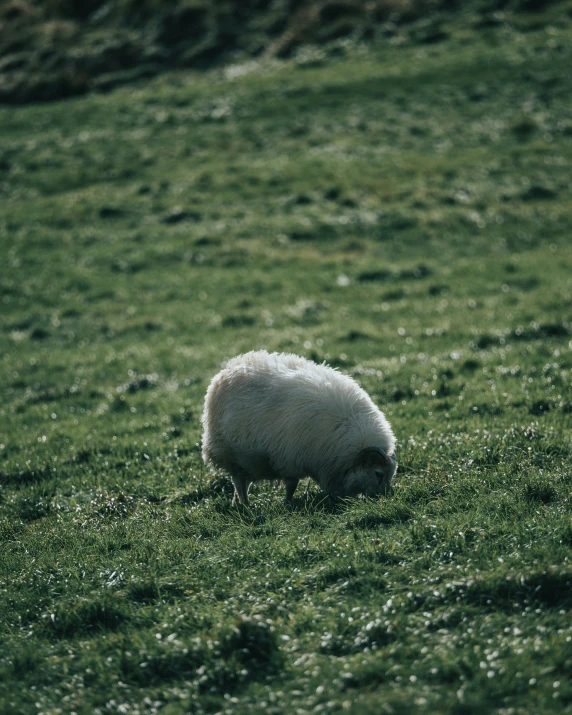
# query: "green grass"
(403, 213)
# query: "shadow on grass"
(244, 651)
(25, 477)
(549, 588)
(392, 513)
(85, 616)
(152, 591)
(220, 492)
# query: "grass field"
(403, 212)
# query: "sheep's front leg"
(291, 485)
(241, 485)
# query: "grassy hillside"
(402, 212)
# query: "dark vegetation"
(51, 49)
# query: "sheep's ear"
(373, 457)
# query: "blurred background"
(51, 49)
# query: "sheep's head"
(371, 473)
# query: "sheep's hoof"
(237, 501)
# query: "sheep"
(280, 416)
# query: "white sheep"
(280, 416)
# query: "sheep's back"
(307, 418)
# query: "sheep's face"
(371, 474)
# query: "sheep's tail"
(208, 419)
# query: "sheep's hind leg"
(241, 485)
(291, 485)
